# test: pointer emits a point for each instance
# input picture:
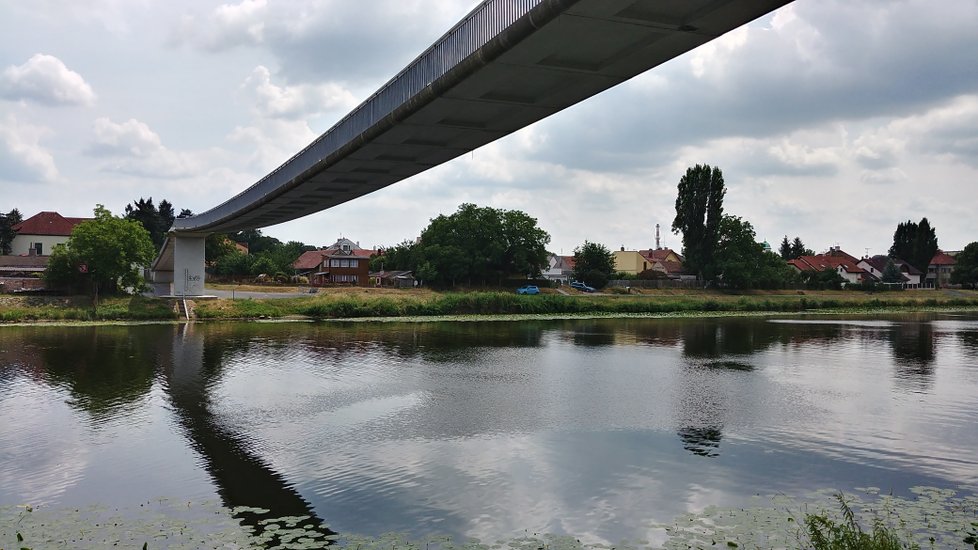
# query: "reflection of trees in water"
(106, 369)
(969, 342)
(435, 341)
(914, 351)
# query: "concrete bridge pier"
(180, 265)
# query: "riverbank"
(361, 303)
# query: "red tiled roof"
(48, 223)
(670, 266)
(310, 259)
(942, 259)
(654, 254)
(821, 262)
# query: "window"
(39, 249)
(334, 263)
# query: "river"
(488, 429)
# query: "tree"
(785, 249)
(7, 234)
(699, 209)
(798, 249)
(156, 220)
(793, 249)
(891, 273)
(742, 262)
(915, 243)
(593, 264)
(105, 252)
(966, 269)
(255, 240)
(480, 245)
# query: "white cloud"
(272, 141)
(22, 158)
(294, 102)
(136, 150)
(226, 26)
(45, 79)
(130, 138)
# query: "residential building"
(661, 254)
(394, 279)
(38, 235)
(343, 262)
(875, 265)
(630, 261)
(560, 269)
(835, 259)
(939, 270)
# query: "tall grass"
(506, 303)
(827, 534)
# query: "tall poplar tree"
(915, 243)
(699, 209)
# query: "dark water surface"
(486, 429)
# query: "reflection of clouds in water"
(37, 465)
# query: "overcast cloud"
(831, 120)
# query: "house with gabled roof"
(875, 265)
(939, 270)
(38, 234)
(835, 259)
(343, 262)
(559, 268)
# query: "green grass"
(116, 308)
(343, 306)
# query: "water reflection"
(485, 429)
(914, 351)
(191, 365)
(105, 371)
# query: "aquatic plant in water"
(931, 518)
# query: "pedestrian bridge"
(504, 66)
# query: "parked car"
(528, 289)
(581, 286)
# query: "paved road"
(244, 294)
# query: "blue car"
(528, 289)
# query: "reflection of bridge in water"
(241, 477)
(506, 65)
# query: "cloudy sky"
(832, 120)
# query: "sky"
(832, 121)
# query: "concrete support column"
(188, 265)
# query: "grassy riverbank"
(340, 306)
(360, 303)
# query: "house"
(835, 259)
(393, 279)
(38, 235)
(661, 254)
(673, 270)
(343, 262)
(630, 261)
(560, 269)
(912, 277)
(939, 270)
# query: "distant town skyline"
(832, 121)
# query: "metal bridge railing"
(474, 31)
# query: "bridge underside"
(558, 54)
